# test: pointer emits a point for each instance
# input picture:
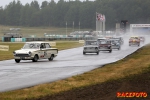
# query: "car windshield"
(31, 46)
(104, 42)
(134, 38)
(91, 43)
(115, 41)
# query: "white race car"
(35, 51)
(90, 46)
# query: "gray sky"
(6, 2)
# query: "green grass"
(38, 31)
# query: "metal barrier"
(9, 39)
(52, 39)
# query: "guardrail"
(52, 39)
(9, 39)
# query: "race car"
(104, 44)
(142, 39)
(90, 46)
(116, 43)
(35, 51)
(134, 40)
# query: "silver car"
(115, 44)
(90, 46)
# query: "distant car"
(35, 51)
(116, 44)
(104, 44)
(120, 39)
(108, 37)
(142, 39)
(134, 40)
(90, 46)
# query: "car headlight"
(30, 53)
(96, 48)
(14, 53)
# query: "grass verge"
(134, 64)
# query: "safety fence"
(9, 39)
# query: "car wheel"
(35, 59)
(51, 58)
(17, 60)
(98, 53)
(110, 51)
(84, 53)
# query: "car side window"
(42, 46)
(47, 45)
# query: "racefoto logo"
(131, 94)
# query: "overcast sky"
(6, 2)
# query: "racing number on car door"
(47, 50)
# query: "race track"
(68, 63)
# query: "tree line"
(63, 12)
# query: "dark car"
(120, 39)
(104, 45)
(116, 44)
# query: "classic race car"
(142, 39)
(104, 44)
(134, 40)
(116, 43)
(35, 51)
(90, 46)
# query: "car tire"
(51, 57)
(17, 60)
(110, 51)
(84, 53)
(98, 53)
(35, 59)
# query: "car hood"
(26, 50)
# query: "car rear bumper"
(115, 47)
(90, 51)
(134, 43)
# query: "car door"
(42, 51)
(47, 50)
